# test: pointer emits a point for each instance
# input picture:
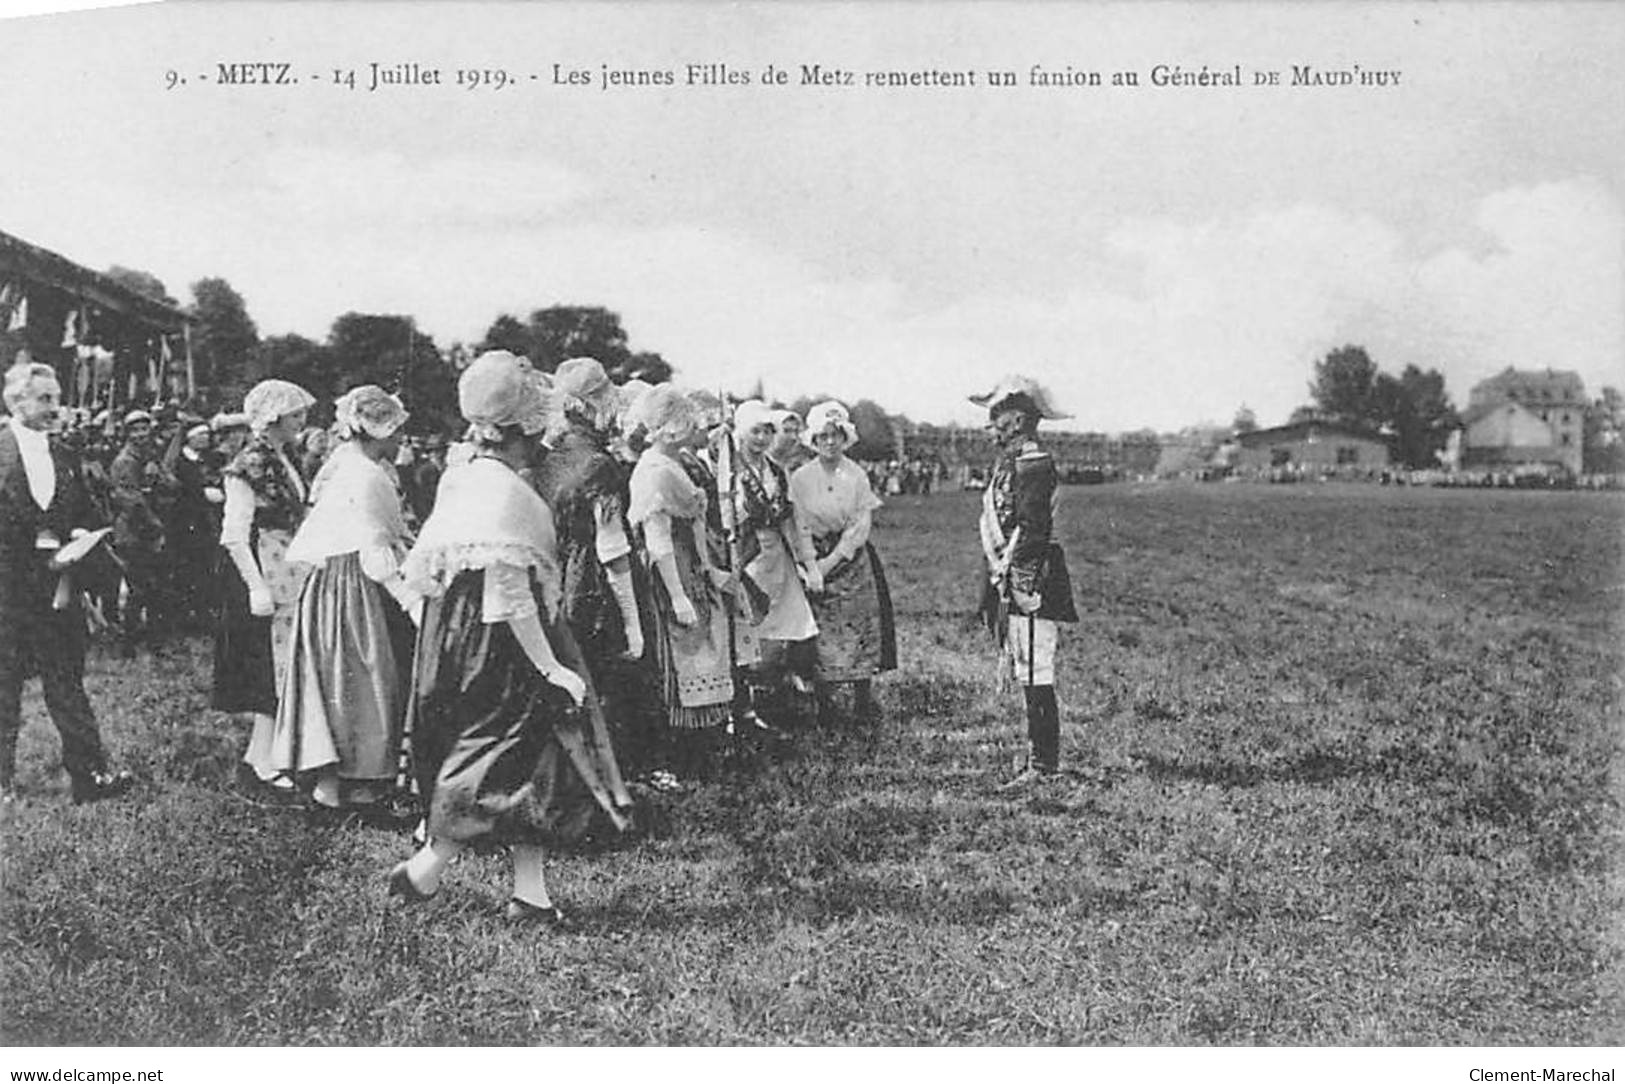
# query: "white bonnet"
(270, 400)
(368, 410)
(498, 390)
(825, 415)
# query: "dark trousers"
(51, 644)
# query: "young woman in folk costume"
(691, 627)
(586, 487)
(857, 635)
(776, 554)
(501, 748)
(264, 504)
(789, 448)
(1028, 592)
(343, 700)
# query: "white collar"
(25, 435)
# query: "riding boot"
(1043, 727)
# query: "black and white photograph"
(1078, 530)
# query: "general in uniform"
(1028, 591)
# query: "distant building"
(1525, 416)
(109, 345)
(1313, 447)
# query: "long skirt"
(857, 632)
(250, 651)
(343, 697)
(499, 754)
(696, 673)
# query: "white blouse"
(834, 501)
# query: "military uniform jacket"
(1017, 525)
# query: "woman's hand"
(634, 644)
(724, 580)
(827, 564)
(815, 579)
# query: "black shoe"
(258, 792)
(98, 786)
(329, 815)
(385, 814)
(400, 884)
(523, 912)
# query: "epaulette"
(1031, 452)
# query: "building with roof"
(1311, 447)
(1520, 416)
(110, 345)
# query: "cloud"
(357, 189)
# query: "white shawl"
(355, 507)
(484, 516)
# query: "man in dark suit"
(43, 506)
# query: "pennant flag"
(70, 336)
(19, 316)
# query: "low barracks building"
(1311, 446)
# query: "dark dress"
(245, 677)
(578, 480)
(499, 754)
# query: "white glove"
(567, 679)
(260, 603)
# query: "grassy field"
(1349, 774)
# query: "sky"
(1159, 256)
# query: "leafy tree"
(142, 282)
(1345, 386)
(223, 340)
(558, 332)
(506, 333)
(1418, 411)
(644, 365)
(1245, 420)
(1604, 439)
(876, 435)
(388, 350)
(1413, 409)
(294, 357)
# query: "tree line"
(1412, 410)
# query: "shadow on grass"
(1312, 768)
